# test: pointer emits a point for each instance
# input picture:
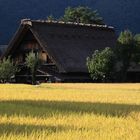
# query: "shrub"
(7, 70)
(101, 65)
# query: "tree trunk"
(33, 78)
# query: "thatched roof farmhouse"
(62, 47)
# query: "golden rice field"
(70, 112)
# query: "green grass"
(70, 112)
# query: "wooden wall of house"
(28, 44)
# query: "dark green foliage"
(82, 15)
(127, 51)
(32, 63)
(137, 43)
(101, 65)
(7, 70)
(137, 39)
(126, 38)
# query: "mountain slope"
(123, 14)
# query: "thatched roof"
(68, 44)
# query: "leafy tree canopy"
(128, 51)
(137, 39)
(126, 38)
(126, 47)
(101, 65)
(82, 15)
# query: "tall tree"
(82, 15)
(126, 50)
(32, 63)
(137, 51)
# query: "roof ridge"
(29, 22)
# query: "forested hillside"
(123, 14)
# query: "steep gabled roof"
(69, 44)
